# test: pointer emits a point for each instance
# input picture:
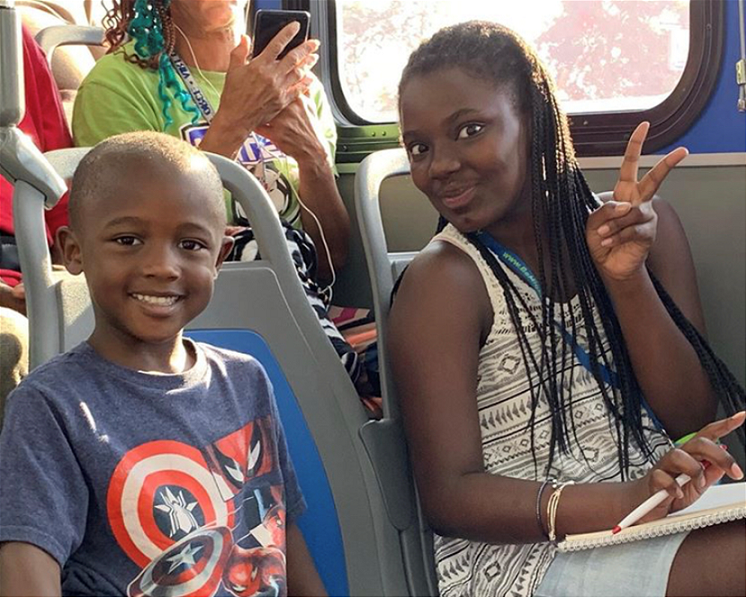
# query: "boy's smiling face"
(150, 250)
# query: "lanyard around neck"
(518, 267)
(199, 98)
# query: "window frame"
(594, 134)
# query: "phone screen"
(268, 23)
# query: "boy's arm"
(303, 579)
(26, 570)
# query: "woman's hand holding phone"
(257, 91)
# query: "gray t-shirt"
(150, 484)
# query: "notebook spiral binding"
(663, 527)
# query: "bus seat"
(50, 38)
(70, 66)
(385, 438)
(258, 307)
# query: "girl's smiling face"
(468, 146)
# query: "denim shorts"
(632, 569)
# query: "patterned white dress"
(468, 568)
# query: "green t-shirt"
(118, 97)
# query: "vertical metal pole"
(11, 65)
(741, 67)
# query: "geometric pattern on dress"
(504, 402)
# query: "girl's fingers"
(674, 463)
(713, 475)
(661, 480)
(638, 232)
(609, 211)
(722, 427)
(624, 218)
(629, 167)
(654, 177)
(679, 461)
(705, 450)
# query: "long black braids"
(561, 204)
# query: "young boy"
(142, 463)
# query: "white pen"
(648, 505)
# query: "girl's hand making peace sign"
(620, 233)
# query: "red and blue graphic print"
(202, 521)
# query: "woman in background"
(186, 72)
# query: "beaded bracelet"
(538, 507)
(552, 509)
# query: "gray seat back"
(71, 66)
(392, 465)
(57, 304)
(50, 38)
(384, 267)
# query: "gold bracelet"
(552, 509)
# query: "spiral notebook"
(718, 505)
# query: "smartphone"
(268, 23)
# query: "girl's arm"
(638, 230)
(439, 320)
(665, 363)
(26, 570)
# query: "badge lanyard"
(517, 265)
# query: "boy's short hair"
(108, 158)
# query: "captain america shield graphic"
(159, 493)
(194, 566)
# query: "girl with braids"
(185, 72)
(547, 344)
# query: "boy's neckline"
(195, 357)
(152, 380)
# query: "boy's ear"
(225, 249)
(70, 248)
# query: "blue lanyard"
(517, 265)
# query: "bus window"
(603, 56)
(615, 63)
